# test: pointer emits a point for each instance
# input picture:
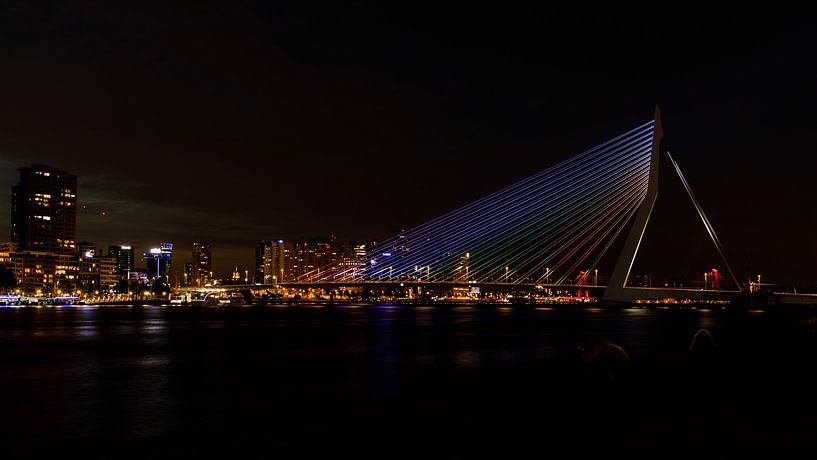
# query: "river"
(388, 381)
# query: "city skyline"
(292, 123)
(320, 229)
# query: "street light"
(596, 281)
(506, 273)
(705, 280)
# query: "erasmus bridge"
(546, 233)
(549, 230)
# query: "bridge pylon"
(617, 290)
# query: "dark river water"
(403, 382)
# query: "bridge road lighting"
(506, 273)
(596, 277)
(705, 280)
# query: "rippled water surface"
(401, 382)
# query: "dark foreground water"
(402, 382)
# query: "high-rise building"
(276, 258)
(188, 273)
(124, 256)
(158, 261)
(97, 273)
(43, 229)
(44, 210)
(7, 248)
(260, 247)
(88, 267)
(202, 269)
(108, 272)
(350, 258)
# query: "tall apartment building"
(276, 259)
(43, 228)
(44, 210)
(125, 259)
(202, 264)
(158, 262)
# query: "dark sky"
(235, 121)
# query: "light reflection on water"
(466, 359)
(133, 371)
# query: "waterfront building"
(275, 258)
(7, 248)
(108, 272)
(461, 271)
(260, 247)
(45, 272)
(202, 270)
(159, 261)
(138, 276)
(88, 279)
(282, 261)
(43, 229)
(97, 273)
(125, 259)
(44, 210)
(350, 257)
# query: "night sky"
(237, 121)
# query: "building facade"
(7, 249)
(44, 210)
(124, 256)
(43, 230)
(285, 262)
(275, 259)
(260, 247)
(202, 264)
(159, 261)
(108, 272)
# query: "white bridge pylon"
(617, 289)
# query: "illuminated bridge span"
(552, 228)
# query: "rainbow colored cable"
(548, 227)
